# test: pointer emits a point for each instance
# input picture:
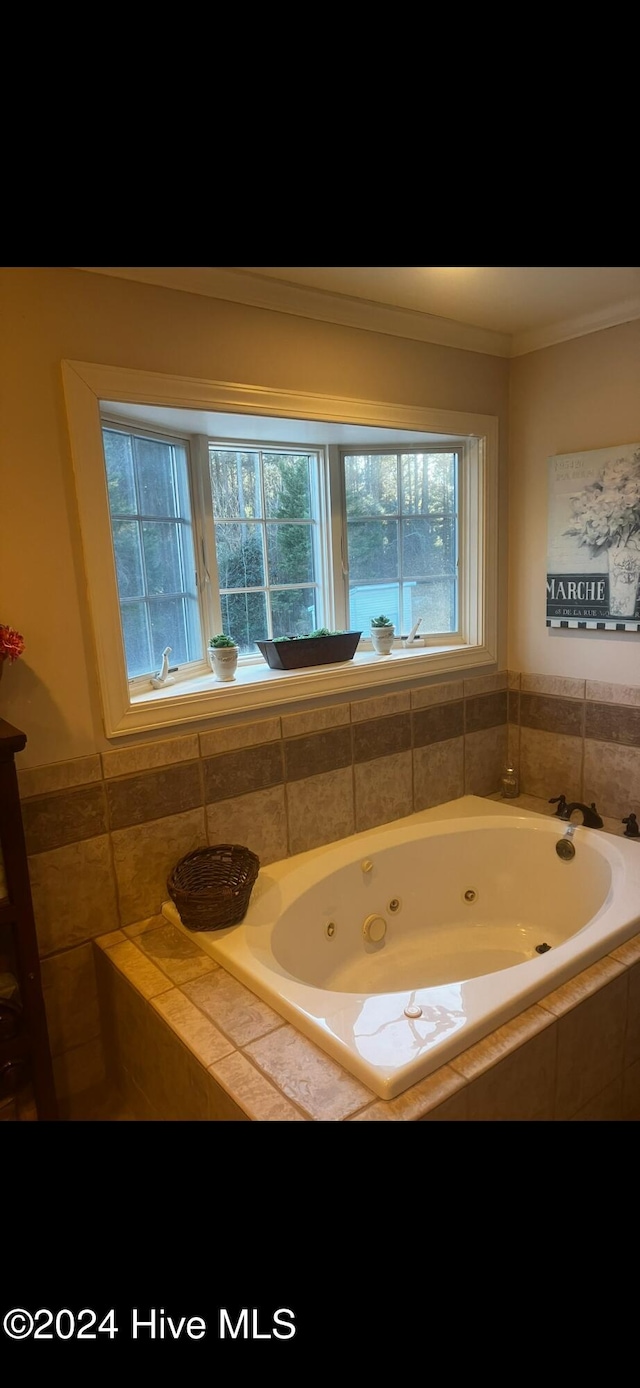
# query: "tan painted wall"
(48, 315)
(578, 395)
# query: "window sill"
(257, 687)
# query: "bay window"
(209, 507)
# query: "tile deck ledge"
(268, 1069)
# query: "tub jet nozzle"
(374, 929)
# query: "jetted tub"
(397, 948)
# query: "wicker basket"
(211, 887)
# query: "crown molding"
(625, 311)
(258, 291)
(279, 296)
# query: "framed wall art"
(593, 550)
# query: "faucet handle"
(560, 801)
(632, 830)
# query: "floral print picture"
(593, 554)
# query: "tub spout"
(590, 817)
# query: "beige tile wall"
(578, 738)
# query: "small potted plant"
(382, 635)
(223, 656)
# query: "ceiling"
(265, 428)
(502, 310)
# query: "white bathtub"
(478, 886)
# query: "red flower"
(11, 643)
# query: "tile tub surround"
(143, 783)
(579, 738)
(133, 811)
(205, 1048)
(104, 831)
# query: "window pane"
(240, 559)
(286, 486)
(294, 612)
(244, 616)
(428, 483)
(290, 554)
(434, 602)
(235, 483)
(264, 513)
(373, 549)
(126, 542)
(119, 463)
(185, 534)
(155, 558)
(194, 630)
(374, 600)
(161, 557)
(155, 477)
(168, 628)
(428, 547)
(182, 474)
(136, 639)
(371, 482)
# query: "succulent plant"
(319, 631)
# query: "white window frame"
(320, 515)
(198, 696)
(137, 683)
(459, 446)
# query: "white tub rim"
(309, 1008)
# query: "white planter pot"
(382, 639)
(223, 661)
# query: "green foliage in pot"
(222, 641)
(381, 622)
(320, 631)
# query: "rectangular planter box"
(309, 650)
